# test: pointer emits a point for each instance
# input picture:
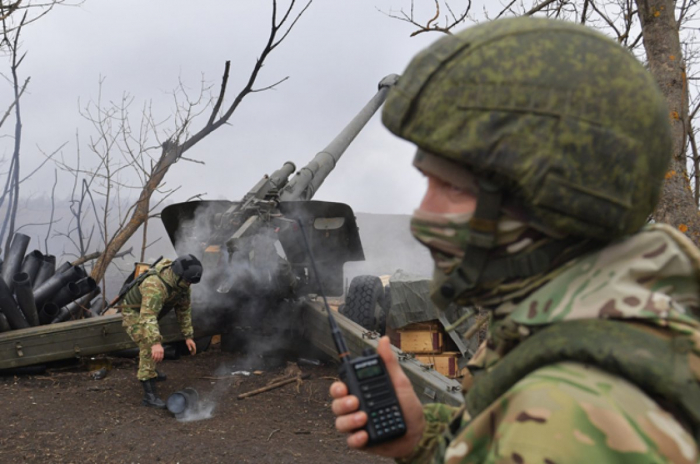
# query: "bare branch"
(53, 210)
(539, 7)
(222, 92)
(41, 165)
(12, 105)
(95, 255)
(507, 8)
(429, 26)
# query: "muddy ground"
(66, 416)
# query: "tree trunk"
(170, 154)
(666, 63)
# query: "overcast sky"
(334, 58)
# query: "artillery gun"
(252, 250)
(258, 279)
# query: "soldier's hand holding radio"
(349, 419)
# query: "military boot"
(161, 377)
(150, 397)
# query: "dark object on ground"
(171, 352)
(125, 353)
(46, 270)
(38, 369)
(364, 301)
(182, 402)
(309, 362)
(99, 374)
(25, 297)
(14, 257)
(31, 265)
(9, 307)
(150, 395)
(161, 376)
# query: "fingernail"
(357, 417)
(348, 402)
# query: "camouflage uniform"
(569, 409)
(145, 304)
(593, 351)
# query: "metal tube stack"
(33, 291)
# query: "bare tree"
(181, 139)
(678, 205)
(14, 16)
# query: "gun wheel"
(364, 303)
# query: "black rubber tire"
(364, 294)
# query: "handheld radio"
(366, 378)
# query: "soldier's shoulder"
(587, 411)
(152, 282)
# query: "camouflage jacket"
(578, 372)
(155, 296)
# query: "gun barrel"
(308, 179)
(280, 176)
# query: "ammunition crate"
(421, 337)
(445, 363)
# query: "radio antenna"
(343, 352)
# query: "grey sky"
(335, 57)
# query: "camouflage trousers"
(136, 331)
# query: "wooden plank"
(430, 386)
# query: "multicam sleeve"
(183, 311)
(437, 417)
(152, 296)
(569, 412)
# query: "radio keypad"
(387, 420)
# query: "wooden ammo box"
(444, 363)
(420, 337)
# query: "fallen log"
(272, 386)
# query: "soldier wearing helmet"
(165, 287)
(545, 145)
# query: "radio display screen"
(368, 372)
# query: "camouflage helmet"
(564, 120)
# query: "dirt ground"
(66, 416)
